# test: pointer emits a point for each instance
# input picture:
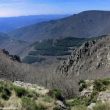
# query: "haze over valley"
(55, 55)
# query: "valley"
(69, 56)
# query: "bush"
(55, 93)
(47, 99)
(106, 81)
(5, 91)
(74, 102)
(32, 94)
(29, 104)
(82, 84)
(20, 91)
(99, 85)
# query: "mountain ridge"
(11, 23)
(84, 24)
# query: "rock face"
(92, 58)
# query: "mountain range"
(82, 25)
(11, 23)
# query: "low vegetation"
(16, 95)
(83, 101)
(102, 106)
(30, 99)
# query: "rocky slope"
(84, 24)
(14, 46)
(91, 60)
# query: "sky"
(41, 7)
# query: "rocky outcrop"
(92, 57)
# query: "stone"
(90, 107)
(61, 105)
(104, 96)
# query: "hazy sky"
(33, 7)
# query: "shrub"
(85, 101)
(81, 81)
(82, 84)
(74, 102)
(32, 94)
(55, 93)
(6, 93)
(47, 99)
(99, 85)
(106, 81)
(30, 104)
(93, 96)
(20, 91)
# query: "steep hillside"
(91, 60)
(14, 46)
(84, 24)
(11, 23)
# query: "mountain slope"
(3, 37)
(84, 24)
(12, 69)
(11, 23)
(48, 50)
(91, 60)
(14, 46)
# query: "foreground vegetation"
(96, 93)
(25, 96)
(12, 95)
